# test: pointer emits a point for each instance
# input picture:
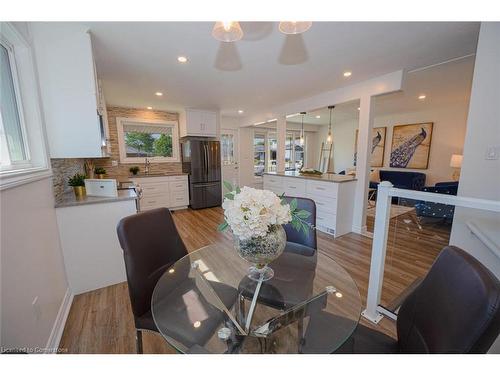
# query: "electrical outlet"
(114, 163)
(492, 152)
(36, 308)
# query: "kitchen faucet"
(146, 166)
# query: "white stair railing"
(374, 312)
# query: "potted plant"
(256, 217)
(99, 172)
(134, 170)
(78, 184)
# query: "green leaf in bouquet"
(302, 214)
(238, 190)
(229, 196)
(293, 204)
(222, 226)
(228, 186)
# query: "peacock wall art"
(411, 146)
(378, 147)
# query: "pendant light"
(294, 27)
(302, 130)
(329, 138)
(227, 31)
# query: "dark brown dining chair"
(455, 309)
(151, 244)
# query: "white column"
(379, 248)
(363, 164)
(281, 138)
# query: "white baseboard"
(60, 322)
(359, 230)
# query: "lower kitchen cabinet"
(162, 191)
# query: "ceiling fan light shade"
(227, 31)
(294, 27)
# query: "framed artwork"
(411, 145)
(378, 146)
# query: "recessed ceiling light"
(182, 59)
(347, 74)
(318, 116)
(359, 108)
(149, 107)
(422, 96)
(158, 93)
(240, 111)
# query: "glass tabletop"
(205, 303)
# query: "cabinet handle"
(292, 187)
(320, 188)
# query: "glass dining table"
(205, 303)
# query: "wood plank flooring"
(101, 321)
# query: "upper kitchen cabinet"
(73, 101)
(198, 123)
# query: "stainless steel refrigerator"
(201, 160)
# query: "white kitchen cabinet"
(93, 257)
(334, 200)
(72, 98)
(198, 123)
(164, 191)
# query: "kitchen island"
(332, 193)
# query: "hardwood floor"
(101, 321)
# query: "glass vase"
(260, 251)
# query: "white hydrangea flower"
(252, 211)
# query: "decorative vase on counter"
(80, 191)
(100, 176)
(256, 217)
(260, 251)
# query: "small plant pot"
(100, 176)
(80, 191)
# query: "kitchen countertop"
(69, 199)
(141, 175)
(328, 177)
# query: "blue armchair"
(401, 180)
(435, 210)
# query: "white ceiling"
(442, 85)
(264, 69)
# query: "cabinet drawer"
(323, 204)
(148, 203)
(179, 199)
(294, 187)
(178, 186)
(325, 189)
(326, 220)
(178, 178)
(271, 180)
(154, 189)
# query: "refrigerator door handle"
(207, 161)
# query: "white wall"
(480, 178)
(447, 137)
(31, 265)
(31, 262)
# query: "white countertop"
(328, 177)
(70, 199)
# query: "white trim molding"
(121, 121)
(52, 345)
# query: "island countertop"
(70, 199)
(328, 177)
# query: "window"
(139, 139)
(14, 150)
(266, 147)
(227, 148)
(259, 146)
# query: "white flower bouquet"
(255, 218)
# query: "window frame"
(30, 105)
(26, 162)
(124, 159)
